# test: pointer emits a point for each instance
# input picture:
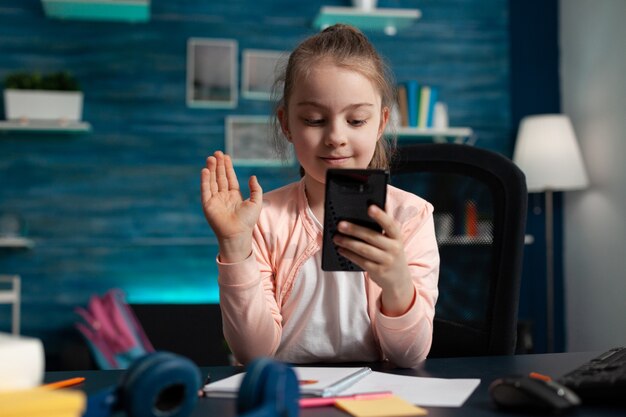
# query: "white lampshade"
(547, 152)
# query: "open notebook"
(314, 381)
(330, 381)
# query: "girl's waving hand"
(231, 217)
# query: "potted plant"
(32, 96)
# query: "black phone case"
(349, 192)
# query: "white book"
(424, 105)
(314, 381)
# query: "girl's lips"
(335, 160)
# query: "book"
(37, 402)
(403, 105)
(314, 381)
(424, 103)
(330, 381)
(434, 97)
(412, 97)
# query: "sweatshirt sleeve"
(250, 315)
(405, 340)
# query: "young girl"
(275, 298)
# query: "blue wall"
(119, 207)
(535, 89)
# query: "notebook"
(314, 381)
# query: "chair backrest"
(480, 201)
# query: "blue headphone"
(269, 389)
(165, 384)
(160, 384)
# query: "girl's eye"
(314, 122)
(357, 122)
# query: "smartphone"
(349, 192)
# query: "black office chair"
(480, 202)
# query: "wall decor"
(248, 142)
(212, 73)
(259, 72)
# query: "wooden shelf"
(16, 242)
(44, 126)
(388, 20)
(109, 10)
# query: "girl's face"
(334, 120)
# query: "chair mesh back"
(464, 214)
(480, 207)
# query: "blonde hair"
(346, 47)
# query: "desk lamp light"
(547, 152)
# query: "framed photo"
(212, 73)
(259, 72)
(248, 142)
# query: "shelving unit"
(12, 296)
(460, 240)
(10, 285)
(387, 20)
(452, 134)
(111, 10)
(465, 240)
(16, 242)
(44, 126)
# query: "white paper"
(425, 392)
(422, 391)
(326, 377)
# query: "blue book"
(412, 97)
(434, 96)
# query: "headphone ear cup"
(268, 389)
(160, 384)
(251, 393)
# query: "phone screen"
(349, 192)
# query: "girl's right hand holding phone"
(230, 216)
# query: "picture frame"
(212, 73)
(259, 72)
(248, 142)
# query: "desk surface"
(478, 405)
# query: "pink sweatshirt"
(252, 291)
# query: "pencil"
(64, 383)
(324, 401)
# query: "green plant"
(57, 81)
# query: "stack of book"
(416, 104)
(38, 402)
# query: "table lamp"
(547, 152)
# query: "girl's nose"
(335, 135)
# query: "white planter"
(43, 105)
(365, 5)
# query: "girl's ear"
(284, 126)
(384, 119)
